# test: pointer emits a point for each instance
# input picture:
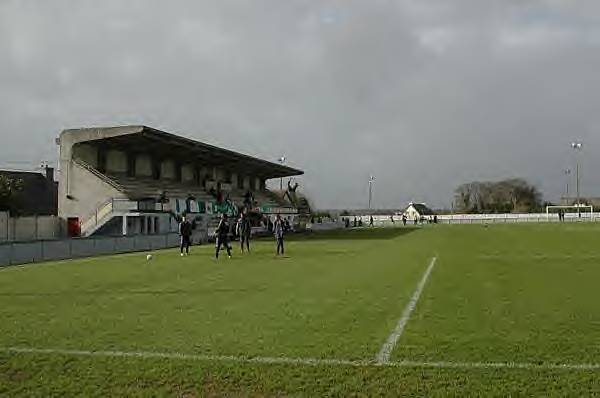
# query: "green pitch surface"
(448, 310)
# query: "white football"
(149, 257)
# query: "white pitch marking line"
(305, 361)
(181, 356)
(538, 257)
(495, 365)
(383, 356)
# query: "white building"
(418, 211)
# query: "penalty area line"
(383, 356)
(305, 361)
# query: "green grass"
(507, 293)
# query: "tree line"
(514, 195)
(9, 187)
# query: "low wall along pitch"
(15, 253)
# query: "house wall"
(411, 213)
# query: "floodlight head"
(576, 145)
(282, 159)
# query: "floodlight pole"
(371, 179)
(578, 201)
(577, 147)
(567, 173)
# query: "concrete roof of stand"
(143, 139)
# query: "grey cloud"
(423, 94)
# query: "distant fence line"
(514, 218)
(386, 220)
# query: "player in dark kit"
(222, 233)
(185, 231)
(244, 230)
(278, 232)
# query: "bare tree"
(505, 196)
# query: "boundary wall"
(14, 253)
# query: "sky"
(422, 94)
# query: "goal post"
(571, 212)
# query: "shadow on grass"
(352, 234)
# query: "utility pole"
(577, 146)
(371, 179)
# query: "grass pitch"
(507, 309)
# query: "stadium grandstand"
(139, 180)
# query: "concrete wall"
(88, 192)
(205, 173)
(219, 174)
(39, 251)
(143, 166)
(167, 170)
(149, 224)
(29, 228)
(4, 227)
(116, 161)
(187, 172)
(87, 153)
(67, 141)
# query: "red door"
(73, 227)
